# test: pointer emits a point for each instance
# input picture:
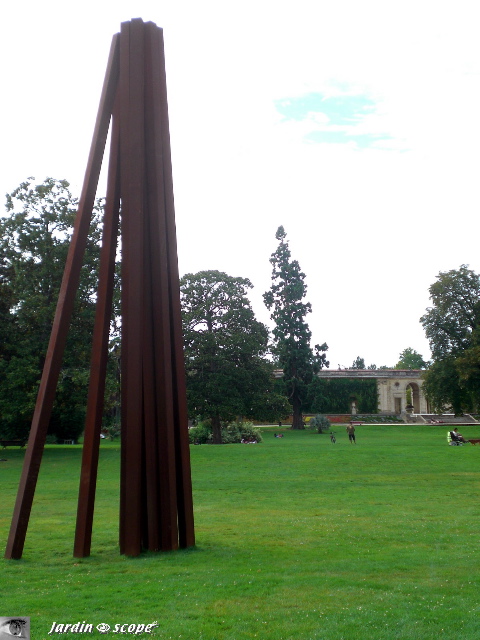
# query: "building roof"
(370, 373)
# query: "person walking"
(351, 433)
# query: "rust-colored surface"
(156, 509)
(98, 368)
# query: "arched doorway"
(412, 391)
(353, 405)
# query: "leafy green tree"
(452, 326)
(410, 359)
(291, 333)
(7, 328)
(468, 369)
(455, 312)
(358, 363)
(225, 348)
(34, 240)
(442, 386)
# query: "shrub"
(201, 434)
(377, 419)
(320, 423)
(241, 431)
(232, 433)
(111, 431)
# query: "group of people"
(454, 435)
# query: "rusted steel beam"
(69, 286)
(183, 471)
(98, 366)
(160, 302)
(151, 533)
(132, 134)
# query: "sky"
(355, 125)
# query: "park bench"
(4, 443)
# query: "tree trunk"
(297, 414)
(216, 430)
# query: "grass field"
(297, 538)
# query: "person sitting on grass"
(457, 437)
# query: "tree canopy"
(291, 334)
(452, 326)
(358, 363)
(34, 240)
(225, 347)
(410, 359)
(452, 320)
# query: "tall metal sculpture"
(156, 510)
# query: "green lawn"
(297, 538)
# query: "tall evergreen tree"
(291, 333)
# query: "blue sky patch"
(341, 116)
(340, 110)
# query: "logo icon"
(17, 627)
(103, 627)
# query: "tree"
(225, 347)
(410, 359)
(358, 363)
(34, 241)
(442, 386)
(455, 313)
(468, 369)
(291, 333)
(452, 326)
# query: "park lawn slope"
(297, 538)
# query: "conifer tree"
(291, 334)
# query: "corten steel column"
(171, 301)
(132, 189)
(98, 368)
(156, 510)
(63, 313)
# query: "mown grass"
(297, 538)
